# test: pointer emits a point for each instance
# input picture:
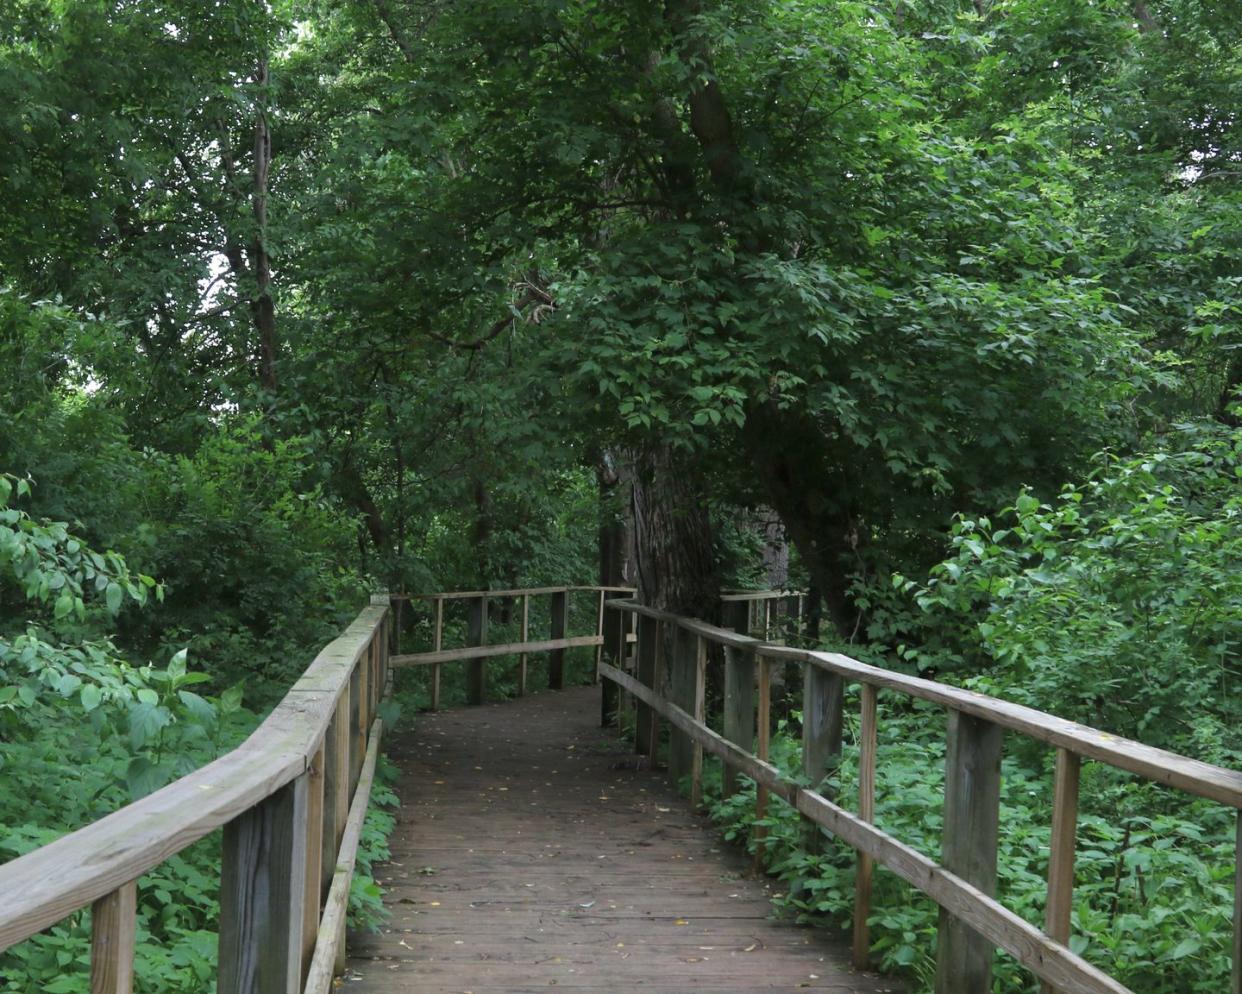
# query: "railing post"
(647, 726)
(262, 889)
(681, 691)
(698, 699)
(522, 659)
(312, 903)
(335, 790)
(1061, 851)
(739, 692)
(968, 849)
(599, 633)
(822, 718)
(1236, 987)
(866, 811)
(114, 920)
(762, 742)
(476, 634)
(437, 643)
(614, 652)
(560, 624)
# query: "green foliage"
(1118, 603)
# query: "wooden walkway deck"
(527, 857)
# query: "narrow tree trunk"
(262, 306)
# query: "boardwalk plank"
(526, 858)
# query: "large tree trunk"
(673, 536)
(788, 457)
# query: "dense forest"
(308, 298)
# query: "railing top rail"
(759, 595)
(1216, 783)
(57, 879)
(452, 595)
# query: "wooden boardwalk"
(528, 857)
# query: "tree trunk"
(673, 536)
(262, 306)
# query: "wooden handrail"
(973, 922)
(276, 793)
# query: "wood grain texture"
(648, 647)
(698, 701)
(968, 848)
(739, 706)
(1236, 987)
(476, 665)
(867, 737)
(1046, 959)
(315, 798)
(560, 626)
(55, 880)
(681, 667)
(499, 649)
(559, 867)
(437, 644)
(1061, 850)
(113, 929)
(262, 888)
(328, 951)
(523, 658)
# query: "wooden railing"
(291, 800)
(477, 651)
(670, 681)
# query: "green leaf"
(114, 595)
(90, 697)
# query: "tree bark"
(673, 536)
(262, 306)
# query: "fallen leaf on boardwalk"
(435, 904)
(681, 921)
(751, 948)
(426, 870)
(588, 904)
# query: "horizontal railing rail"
(669, 682)
(291, 800)
(477, 651)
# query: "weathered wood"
(698, 700)
(822, 721)
(314, 854)
(866, 813)
(638, 894)
(55, 880)
(262, 887)
(329, 949)
(968, 848)
(476, 666)
(437, 643)
(335, 789)
(681, 669)
(1061, 850)
(599, 631)
(1045, 958)
(487, 651)
(614, 653)
(646, 728)
(560, 625)
(523, 657)
(763, 720)
(114, 920)
(823, 716)
(357, 731)
(516, 592)
(1237, 911)
(739, 691)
